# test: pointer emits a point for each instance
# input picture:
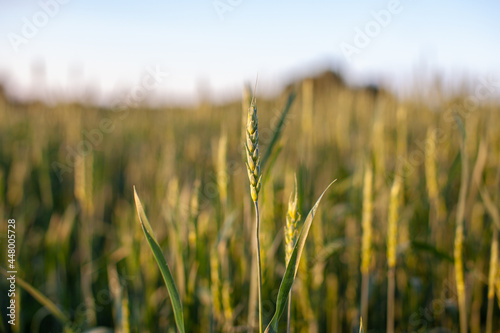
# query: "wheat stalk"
(497, 286)
(255, 177)
(366, 241)
(82, 195)
(291, 234)
(252, 297)
(459, 276)
(292, 218)
(215, 285)
(402, 132)
(494, 272)
(437, 204)
(459, 236)
(378, 142)
(491, 280)
(222, 168)
(430, 165)
(391, 250)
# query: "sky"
(97, 49)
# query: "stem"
(364, 299)
(459, 277)
(459, 234)
(289, 315)
(259, 265)
(390, 301)
(252, 303)
(491, 280)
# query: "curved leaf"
(162, 264)
(439, 254)
(277, 131)
(292, 268)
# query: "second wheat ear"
(292, 218)
(291, 234)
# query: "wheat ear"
(252, 150)
(291, 233)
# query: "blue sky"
(105, 46)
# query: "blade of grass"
(278, 130)
(162, 264)
(437, 253)
(293, 266)
(459, 231)
(270, 163)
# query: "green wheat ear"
(292, 218)
(291, 235)
(293, 267)
(252, 149)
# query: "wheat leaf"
(277, 131)
(292, 268)
(175, 299)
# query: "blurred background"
(96, 97)
(73, 49)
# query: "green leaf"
(227, 228)
(270, 163)
(328, 250)
(278, 130)
(292, 268)
(162, 264)
(423, 246)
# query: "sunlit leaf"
(292, 268)
(175, 299)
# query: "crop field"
(404, 240)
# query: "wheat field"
(406, 238)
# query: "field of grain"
(406, 238)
